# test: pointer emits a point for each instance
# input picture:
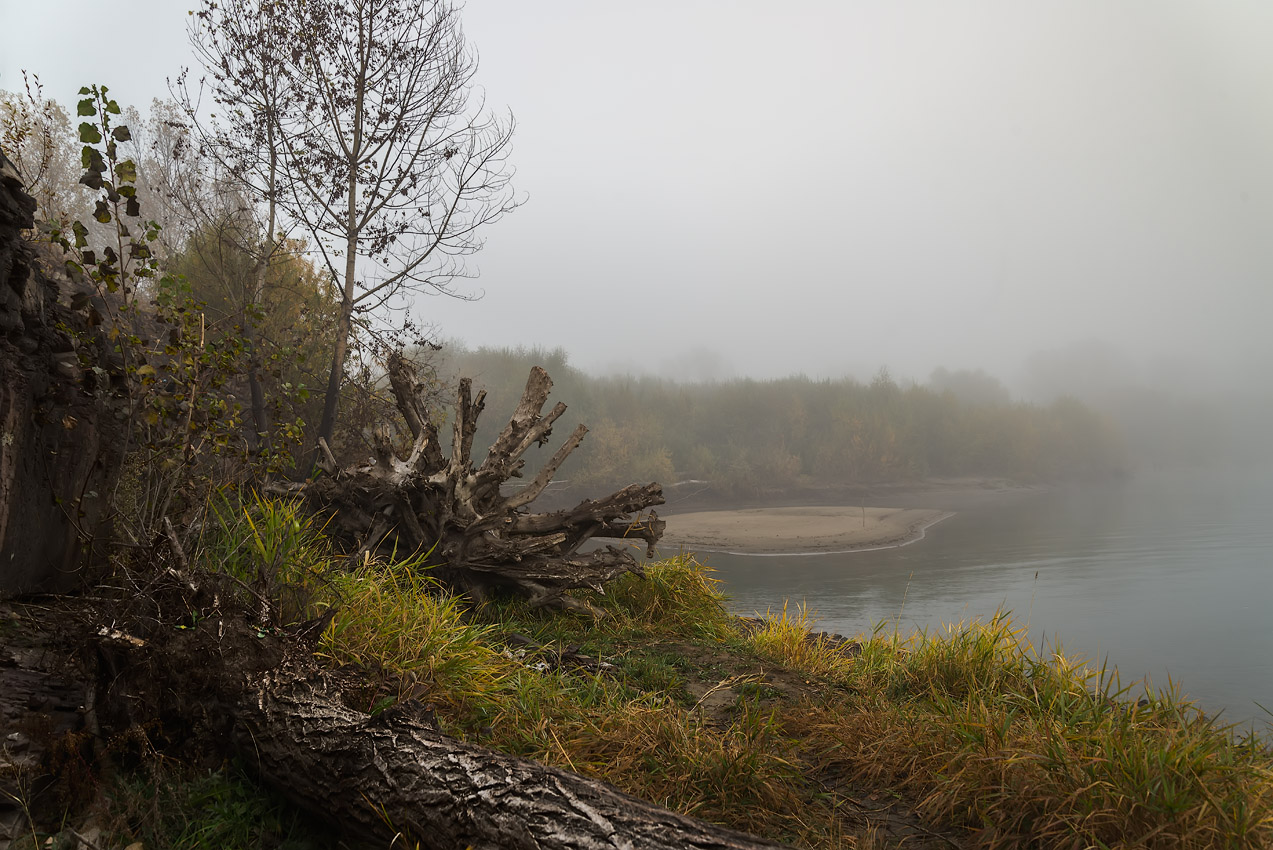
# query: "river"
(1168, 574)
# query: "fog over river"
(1166, 574)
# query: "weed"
(270, 549)
(676, 597)
(757, 691)
(786, 639)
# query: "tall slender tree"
(365, 113)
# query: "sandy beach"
(784, 530)
(825, 519)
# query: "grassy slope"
(767, 728)
(965, 739)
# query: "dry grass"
(1042, 752)
(786, 639)
(987, 740)
(738, 775)
(676, 597)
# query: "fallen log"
(391, 775)
(484, 538)
(380, 779)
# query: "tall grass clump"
(675, 596)
(392, 618)
(269, 548)
(786, 638)
(397, 619)
(741, 774)
(992, 736)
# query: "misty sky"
(830, 187)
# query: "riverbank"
(826, 519)
(960, 738)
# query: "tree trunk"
(484, 538)
(390, 774)
(260, 279)
(260, 435)
(373, 777)
(335, 377)
(352, 233)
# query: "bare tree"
(36, 134)
(362, 114)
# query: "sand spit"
(798, 530)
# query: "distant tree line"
(747, 437)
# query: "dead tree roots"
(477, 528)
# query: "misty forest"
(287, 564)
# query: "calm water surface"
(1166, 575)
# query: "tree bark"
(392, 774)
(60, 444)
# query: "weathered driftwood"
(485, 539)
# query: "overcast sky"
(832, 187)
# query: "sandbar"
(798, 530)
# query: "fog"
(728, 189)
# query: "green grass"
(776, 731)
(187, 809)
(654, 670)
(395, 619)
